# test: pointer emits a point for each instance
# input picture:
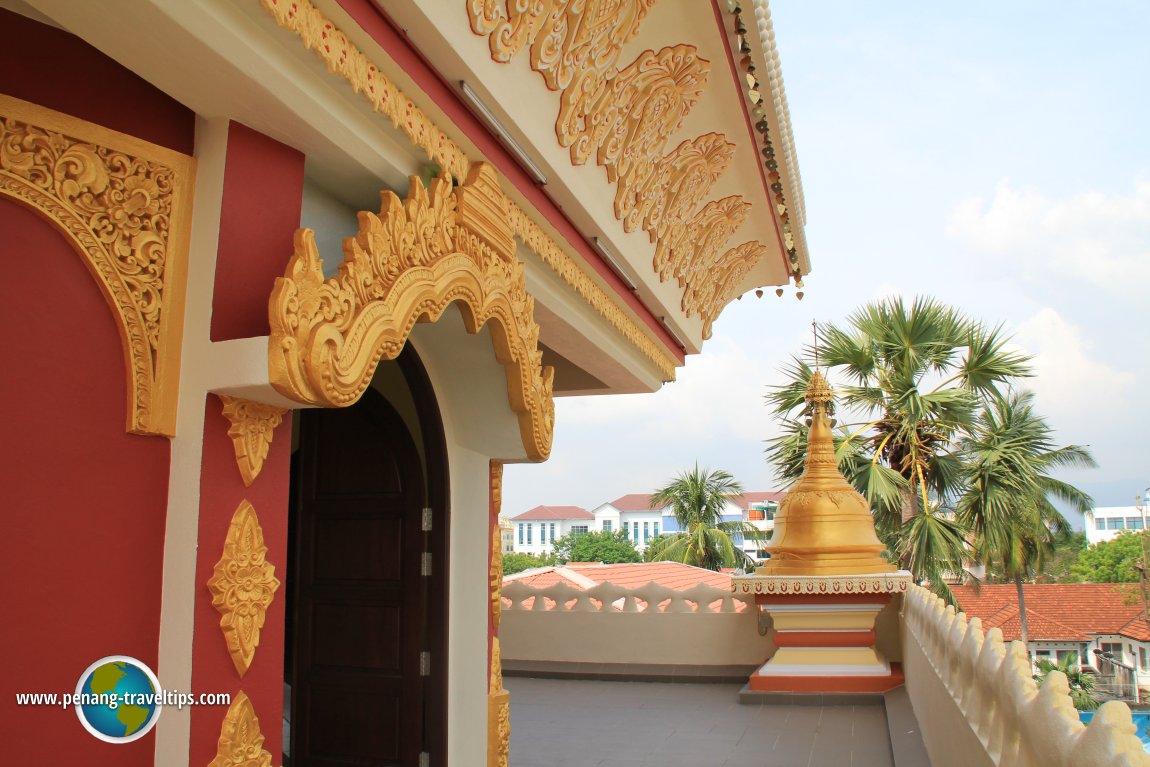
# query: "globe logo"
(118, 699)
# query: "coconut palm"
(1081, 683)
(1007, 457)
(697, 499)
(913, 377)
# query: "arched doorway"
(365, 661)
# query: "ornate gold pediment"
(437, 247)
(241, 743)
(243, 586)
(125, 206)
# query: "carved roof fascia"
(319, 34)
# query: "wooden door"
(360, 601)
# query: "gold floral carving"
(253, 424)
(243, 586)
(125, 205)
(407, 265)
(320, 35)
(707, 298)
(623, 117)
(498, 699)
(241, 743)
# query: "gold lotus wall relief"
(125, 206)
(252, 427)
(343, 59)
(243, 586)
(408, 264)
(241, 743)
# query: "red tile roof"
(583, 575)
(745, 500)
(1058, 611)
(634, 502)
(556, 512)
(642, 501)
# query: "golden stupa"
(823, 526)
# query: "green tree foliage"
(654, 545)
(953, 461)
(515, 562)
(697, 499)
(606, 547)
(1110, 561)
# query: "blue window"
(606, 525)
(520, 533)
(529, 526)
(1114, 523)
(635, 531)
(553, 532)
(1133, 523)
(655, 529)
(646, 532)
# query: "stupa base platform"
(812, 682)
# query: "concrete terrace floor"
(576, 723)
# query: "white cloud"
(1067, 374)
(1101, 239)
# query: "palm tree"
(1006, 506)
(1081, 684)
(915, 376)
(697, 499)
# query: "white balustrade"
(978, 705)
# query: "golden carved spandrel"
(253, 425)
(495, 571)
(125, 206)
(407, 264)
(243, 586)
(241, 743)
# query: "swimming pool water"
(1141, 721)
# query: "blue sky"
(993, 155)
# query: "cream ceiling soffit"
(320, 34)
(623, 117)
(788, 166)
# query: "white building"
(537, 529)
(1105, 522)
(506, 535)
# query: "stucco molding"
(241, 742)
(498, 699)
(343, 59)
(125, 206)
(252, 427)
(435, 248)
(243, 586)
(784, 585)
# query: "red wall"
(48, 66)
(221, 492)
(263, 192)
(82, 502)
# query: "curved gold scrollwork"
(407, 265)
(125, 205)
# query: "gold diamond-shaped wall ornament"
(253, 424)
(243, 586)
(241, 742)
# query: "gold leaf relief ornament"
(707, 298)
(243, 586)
(253, 426)
(436, 248)
(241, 743)
(125, 206)
(685, 176)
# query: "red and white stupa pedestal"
(824, 632)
